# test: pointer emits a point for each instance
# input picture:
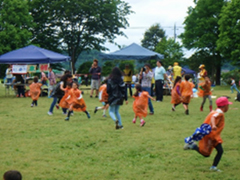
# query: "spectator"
(52, 79)
(160, 74)
(86, 79)
(12, 175)
(95, 70)
(9, 75)
(20, 85)
(146, 82)
(177, 70)
(43, 78)
(127, 73)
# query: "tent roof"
(32, 55)
(188, 71)
(132, 52)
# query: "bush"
(226, 77)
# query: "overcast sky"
(149, 12)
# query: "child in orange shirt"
(103, 97)
(140, 104)
(75, 101)
(186, 92)
(35, 91)
(63, 102)
(211, 139)
(176, 94)
(205, 92)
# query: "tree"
(15, 22)
(153, 36)
(171, 50)
(229, 25)
(201, 30)
(87, 24)
(107, 68)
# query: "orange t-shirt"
(103, 95)
(175, 96)
(207, 89)
(211, 140)
(186, 91)
(35, 90)
(140, 104)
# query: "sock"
(141, 120)
(104, 111)
(36, 102)
(99, 108)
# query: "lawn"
(44, 147)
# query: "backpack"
(238, 97)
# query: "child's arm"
(214, 127)
(151, 98)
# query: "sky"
(149, 12)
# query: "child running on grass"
(205, 92)
(186, 92)
(209, 133)
(75, 101)
(176, 94)
(103, 97)
(35, 91)
(140, 104)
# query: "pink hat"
(222, 101)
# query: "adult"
(43, 78)
(116, 95)
(127, 79)
(86, 79)
(95, 70)
(58, 92)
(9, 75)
(177, 70)
(51, 79)
(146, 82)
(160, 75)
(202, 73)
(19, 83)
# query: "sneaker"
(72, 114)
(50, 113)
(31, 105)
(151, 113)
(134, 120)
(96, 96)
(90, 96)
(214, 168)
(95, 110)
(64, 113)
(173, 108)
(67, 119)
(88, 115)
(142, 123)
(201, 108)
(117, 127)
(187, 112)
(57, 106)
(104, 115)
(120, 127)
(189, 146)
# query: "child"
(140, 104)
(75, 101)
(12, 175)
(205, 92)
(116, 94)
(186, 92)
(233, 85)
(35, 91)
(103, 97)
(176, 94)
(210, 139)
(63, 102)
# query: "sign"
(19, 69)
(31, 68)
(43, 67)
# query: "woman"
(116, 94)
(58, 92)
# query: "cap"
(202, 66)
(169, 67)
(222, 101)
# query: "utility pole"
(175, 35)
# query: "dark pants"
(130, 89)
(159, 90)
(20, 90)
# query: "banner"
(31, 68)
(19, 69)
(43, 67)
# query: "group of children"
(111, 94)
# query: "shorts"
(95, 84)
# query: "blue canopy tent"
(32, 55)
(132, 52)
(188, 71)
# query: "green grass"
(46, 147)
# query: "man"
(177, 70)
(95, 70)
(43, 78)
(160, 74)
(146, 82)
(127, 79)
(9, 75)
(52, 79)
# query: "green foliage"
(84, 68)
(229, 27)
(3, 68)
(131, 64)
(171, 50)
(107, 68)
(153, 36)
(15, 22)
(227, 76)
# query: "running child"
(63, 102)
(35, 91)
(140, 104)
(103, 97)
(176, 94)
(186, 92)
(205, 92)
(209, 133)
(75, 101)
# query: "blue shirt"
(159, 73)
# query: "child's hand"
(126, 102)
(214, 128)
(154, 99)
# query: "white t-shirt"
(9, 73)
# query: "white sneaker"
(50, 113)
(188, 146)
(214, 168)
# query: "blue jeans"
(113, 112)
(148, 89)
(55, 99)
(235, 87)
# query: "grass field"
(44, 147)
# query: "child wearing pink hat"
(209, 133)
